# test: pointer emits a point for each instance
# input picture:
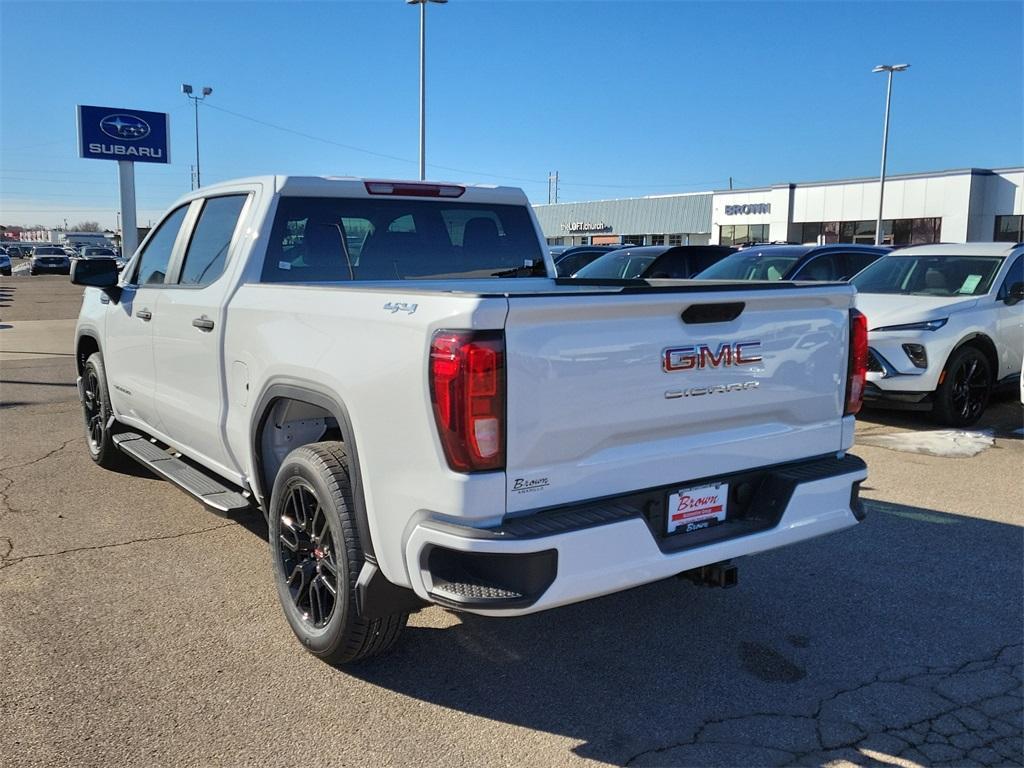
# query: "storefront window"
(675, 239)
(1009, 229)
(894, 232)
(657, 239)
(864, 232)
(733, 234)
(809, 233)
(925, 230)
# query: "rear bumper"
(563, 556)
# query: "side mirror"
(97, 273)
(1015, 294)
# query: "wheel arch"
(87, 344)
(309, 394)
(984, 344)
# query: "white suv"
(946, 324)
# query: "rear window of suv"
(316, 239)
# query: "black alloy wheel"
(98, 416)
(961, 398)
(306, 548)
(92, 407)
(317, 557)
(970, 389)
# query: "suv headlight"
(927, 325)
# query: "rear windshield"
(318, 239)
(616, 265)
(748, 265)
(49, 252)
(929, 275)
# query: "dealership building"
(972, 204)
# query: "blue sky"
(622, 98)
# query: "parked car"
(677, 262)
(946, 325)
(5, 264)
(19, 251)
(49, 258)
(794, 262)
(571, 260)
(95, 252)
(418, 430)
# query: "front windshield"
(616, 265)
(929, 275)
(747, 265)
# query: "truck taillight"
(467, 389)
(857, 369)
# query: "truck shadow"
(647, 669)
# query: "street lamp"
(423, 66)
(187, 90)
(890, 68)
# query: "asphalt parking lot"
(137, 628)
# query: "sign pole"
(129, 231)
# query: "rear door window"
(208, 251)
(823, 268)
(858, 260)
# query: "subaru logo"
(126, 127)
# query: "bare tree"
(86, 226)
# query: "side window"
(821, 268)
(207, 253)
(1014, 275)
(856, 261)
(154, 259)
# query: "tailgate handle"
(712, 313)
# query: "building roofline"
(620, 199)
(889, 177)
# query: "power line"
(397, 158)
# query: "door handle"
(144, 314)
(203, 323)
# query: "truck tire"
(97, 411)
(316, 557)
(963, 394)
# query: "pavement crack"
(44, 457)
(6, 560)
(954, 721)
(5, 501)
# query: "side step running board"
(211, 491)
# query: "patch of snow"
(948, 443)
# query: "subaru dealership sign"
(110, 133)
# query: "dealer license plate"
(693, 509)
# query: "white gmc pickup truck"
(378, 367)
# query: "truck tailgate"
(610, 393)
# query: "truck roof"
(352, 186)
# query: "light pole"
(423, 82)
(187, 90)
(890, 68)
